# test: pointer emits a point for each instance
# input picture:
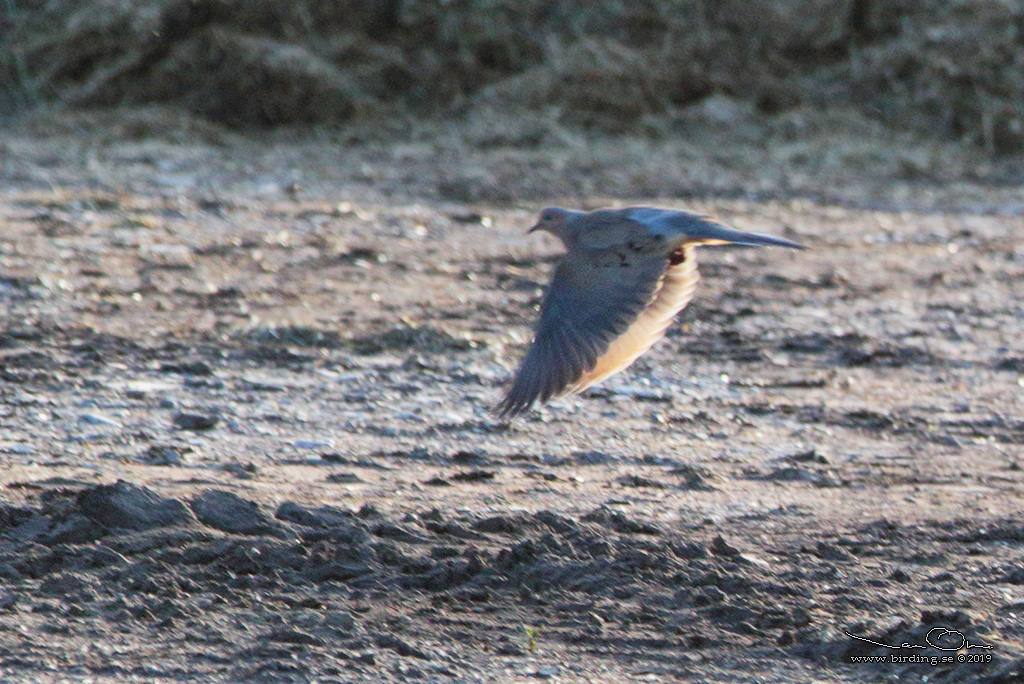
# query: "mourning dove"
(625, 275)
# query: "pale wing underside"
(602, 310)
(673, 294)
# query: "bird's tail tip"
(761, 240)
(711, 232)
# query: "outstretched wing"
(605, 306)
(674, 292)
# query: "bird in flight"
(625, 275)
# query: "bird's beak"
(709, 233)
(535, 228)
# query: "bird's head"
(554, 221)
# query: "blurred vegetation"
(952, 69)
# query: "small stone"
(474, 476)
(140, 389)
(791, 474)
(639, 481)
(809, 456)
(899, 575)
(343, 478)
(592, 458)
(720, 547)
(401, 647)
(831, 552)
(689, 550)
(166, 455)
(243, 471)
(294, 636)
(694, 477)
(341, 620)
(195, 421)
(510, 650)
(751, 559)
(311, 444)
(98, 419)
(188, 368)
(643, 394)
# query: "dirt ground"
(246, 436)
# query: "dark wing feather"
(594, 297)
(674, 292)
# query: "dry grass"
(948, 69)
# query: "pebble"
(791, 474)
(195, 421)
(832, 552)
(642, 393)
(165, 455)
(140, 389)
(341, 620)
(343, 478)
(751, 559)
(98, 419)
(720, 547)
(401, 647)
(287, 635)
(593, 458)
(312, 444)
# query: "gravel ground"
(247, 434)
